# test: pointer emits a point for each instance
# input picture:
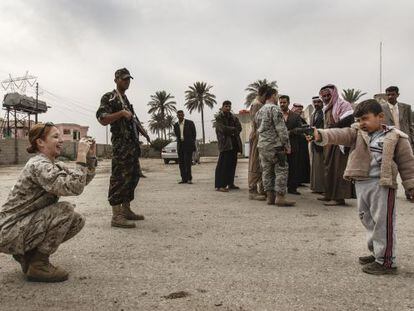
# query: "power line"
(69, 109)
(68, 100)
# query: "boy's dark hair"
(392, 89)
(285, 97)
(368, 106)
(180, 111)
(270, 92)
(262, 90)
(226, 102)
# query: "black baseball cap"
(123, 73)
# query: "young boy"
(377, 154)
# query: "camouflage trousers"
(125, 175)
(47, 229)
(275, 171)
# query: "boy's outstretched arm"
(344, 136)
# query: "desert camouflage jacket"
(271, 128)
(40, 184)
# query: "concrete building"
(71, 131)
(245, 120)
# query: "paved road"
(220, 250)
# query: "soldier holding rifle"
(116, 110)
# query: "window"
(76, 135)
(66, 132)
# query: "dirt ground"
(203, 250)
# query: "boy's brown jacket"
(397, 155)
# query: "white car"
(169, 153)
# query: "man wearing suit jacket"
(185, 132)
(398, 114)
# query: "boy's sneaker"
(378, 269)
(364, 260)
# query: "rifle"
(304, 129)
(137, 127)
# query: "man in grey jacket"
(398, 114)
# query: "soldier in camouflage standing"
(116, 110)
(254, 176)
(273, 146)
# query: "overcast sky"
(74, 47)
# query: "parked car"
(170, 153)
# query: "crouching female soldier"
(32, 222)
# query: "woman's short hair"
(40, 130)
(270, 92)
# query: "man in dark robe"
(303, 149)
(297, 170)
(317, 180)
(338, 113)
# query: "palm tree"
(156, 124)
(169, 124)
(253, 88)
(197, 96)
(161, 103)
(352, 95)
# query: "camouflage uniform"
(273, 140)
(125, 150)
(32, 217)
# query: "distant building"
(71, 131)
(22, 132)
(245, 120)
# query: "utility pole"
(16, 146)
(37, 100)
(380, 69)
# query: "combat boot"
(118, 218)
(281, 201)
(253, 195)
(270, 198)
(41, 270)
(129, 214)
(24, 260)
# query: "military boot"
(281, 201)
(129, 214)
(24, 260)
(253, 195)
(41, 270)
(119, 219)
(270, 198)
